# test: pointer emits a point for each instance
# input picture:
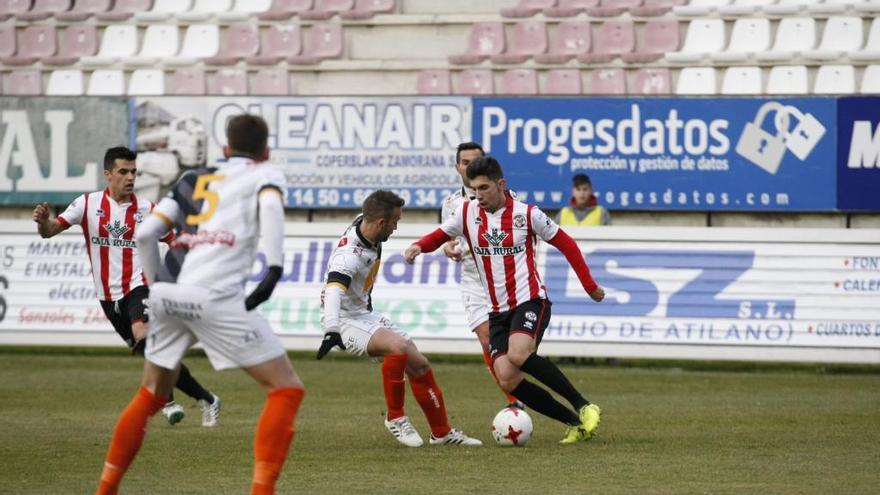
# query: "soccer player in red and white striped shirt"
(502, 236)
(108, 219)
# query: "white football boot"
(455, 437)
(210, 412)
(173, 412)
(404, 431)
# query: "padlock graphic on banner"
(759, 146)
(806, 133)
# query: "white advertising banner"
(694, 293)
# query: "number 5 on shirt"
(201, 192)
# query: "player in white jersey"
(109, 219)
(220, 215)
(473, 296)
(349, 323)
(502, 236)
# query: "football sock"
(549, 374)
(430, 398)
(127, 439)
(393, 368)
(191, 387)
(488, 360)
(275, 431)
(540, 400)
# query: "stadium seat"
(476, 82)
(742, 81)
(202, 10)
(325, 9)
(787, 7)
(840, 36)
(519, 82)
(868, 6)
(244, 10)
(281, 10)
(325, 41)
(748, 37)
(146, 82)
(612, 8)
(614, 39)
(607, 82)
(572, 38)
(10, 8)
(34, 43)
(80, 40)
(118, 41)
(366, 9)
(7, 41)
(527, 8)
(793, 36)
(529, 38)
(871, 80)
(434, 82)
(788, 80)
(228, 82)
(22, 83)
(65, 82)
(83, 9)
(124, 9)
(563, 82)
(653, 8)
(831, 6)
(279, 42)
(486, 39)
(163, 10)
(704, 37)
(696, 81)
(570, 8)
(237, 42)
(188, 81)
(200, 41)
(652, 82)
(871, 50)
(743, 7)
(835, 80)
(659, 36)
(44, 9)
(698, 8)
(106, 82)
(270, 82)
(160, 41)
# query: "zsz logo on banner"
(766, 150)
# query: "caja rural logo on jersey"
(495, 238)
(117, 230)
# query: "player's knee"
(518, 356)
(399, 346)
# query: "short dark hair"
(470, 145)
(116, 153)
(581, 179)
(485, 166)
(380, 204)
(248, 134)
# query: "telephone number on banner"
(342, 197)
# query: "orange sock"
(393, 367)
(430, 397)
(272, 440)
(127, 439)
(488, 360)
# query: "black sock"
(540, 400)
(549, 374)
(192, 388)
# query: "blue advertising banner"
(858, 154)
(748, 154)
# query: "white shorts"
(180, 315)
(476, 309)
(356, 331)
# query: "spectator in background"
(585, 209)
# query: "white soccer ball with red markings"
(512, 427)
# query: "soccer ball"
(512, 427)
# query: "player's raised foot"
(210, 411)
(575, 434)
(590, 417)
(173, 412)
(455, 437)
(404, 431)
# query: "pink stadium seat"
(44, 9)
(23, 83)
(366, 9)
(270, 82)
(486, 39)
(563, 82)
(325, 9)
(238, 41)
(189, 81)
(608, 82)
(83, 9)
(658, 37)
(519, 82)
(572, 38)
(476, 82)
(652, 82)
(9, 8)
(529, 38)
(34, 43)
(7, 41)
(434, 82)
(282, 10)
(325, 42)
(527, 8)
(615, 38)
(228, 82)
(123, 9)
(570, 8)
(653, 8)
(612, 8)
(280, 42)
(77, 41)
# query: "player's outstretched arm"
(426, 244)
(46, 226)
(569, 248)
(332, 302)
(271, 219)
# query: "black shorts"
(530, 317)
(123, 312)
